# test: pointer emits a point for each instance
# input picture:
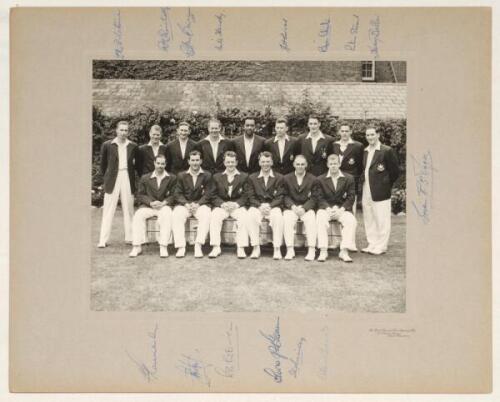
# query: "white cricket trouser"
(348, 222)
(217, 217)
(120, 191)
(179, 218)
(275, 221)
(164, 222)
(377, 220)
(290, 219)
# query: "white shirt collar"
(248, 139)
(151, 144)
(377, 147)
(276, 139)
(154, 175)
(236, 171)
(115, 141)
(271, 173)
(321, 135)
(303, 176)
(351, 141)
(192, 174)
(340, 174)
(209, 138)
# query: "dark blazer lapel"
(225, 182)
(288, 143)
(177, 150)
(329, 183)
(220, 149)
(376, 157)
(298, 187)
(365, 157)
(340, 185)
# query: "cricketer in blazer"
(259, 194)
(109, 164)
(175, 162)
(209, 163)
(146, 158)
(382, 173)
(352, 157)
(299, 195)
(326, 195)
(185, 192)
(316, 161)
(148, 190)
(285, 165)
(257, 148)
(220, 189)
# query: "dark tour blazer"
(299, 195)
(148, 190)
(220, 192)
(239, 148)
(146, 158)
(352, 160)
(260, 194)
(328, 196)
(382, 173)
(209, 163)
(109, 164)
(316, 161)
(175, 162)
(291, 151)
(185, 192)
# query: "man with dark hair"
(118, 168)
(334, 193)
(248, 146)
(229, 198)
(213, 147)
(147, 153)
(381, 169)
(282, 147)
(156, 197)
(315, 146)
(299, 204)
(265, 194)
(178, 150)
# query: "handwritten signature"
(351, 45)
(230, 357)
(148, 371)
(274, 347)
(423, 170)
(166, 33)
(374, 35)
(284, 35)
(219, 37)
(118, 35)
(187, 44)
(195, 368)
(325, 32)
(324, 350)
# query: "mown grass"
(226, 284)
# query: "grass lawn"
(227, 284)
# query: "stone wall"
(347, 100)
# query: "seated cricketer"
(299, 204)
(334, 193)
(156, 197)
(265, 195)
(192, 196)
(229, 199)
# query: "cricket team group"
(312, 178)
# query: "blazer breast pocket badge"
(275, 192)
(345, 195)
(380, 167)
(291, 157)
(351, 161)
(323, 154)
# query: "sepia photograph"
(248, 186)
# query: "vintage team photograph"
(248, 186)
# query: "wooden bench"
(228, 233)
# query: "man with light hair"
(156, 197)
(178, 150)
(213, 147)
(334, 193)
(265, 194)
(381, 169)
(282, 147)
(192, 196)
(147, 153)
(118, 157)
(229, 199)
(299, 204)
